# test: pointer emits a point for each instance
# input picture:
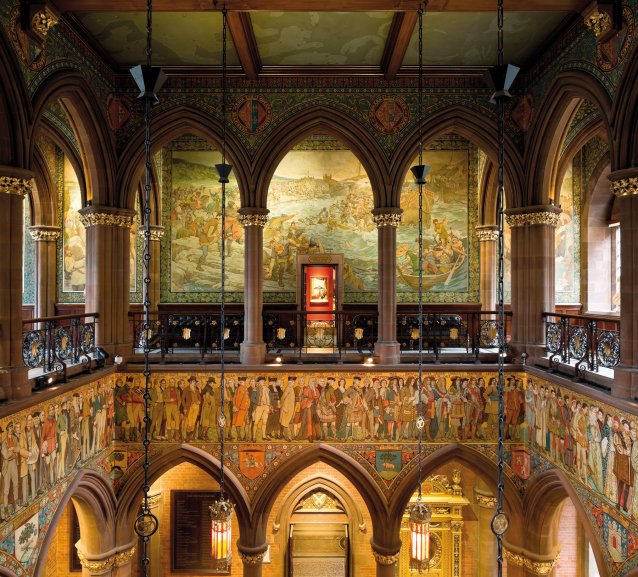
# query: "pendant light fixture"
(419, 512)
(149, 80)
(499, 80)
(221, 511)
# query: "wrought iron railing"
(307, 332)
(55, 343)
(586, 341)
(199, 333)
(472, 332)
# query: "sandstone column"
(625, 186)
(533, 265)
(387, 348)
(157, 233)
(45, 238)
(488, 237)
(14, 185)
(108, 239)
(253, 349)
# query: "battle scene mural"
(450, 251)
(191, 246)
(320, 201)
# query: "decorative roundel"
(500, 523)
(33, 349)
(389, 114)
(146, 525)
(88, 339)
(553, 337)
(62, 344)
(252, 113)
(608, 349)
(420, 423)
(578, 342)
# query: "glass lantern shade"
(221, 513)
(420, 516)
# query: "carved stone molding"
(537, 567)
(15, 185)
(485, 501)
(157, 233)
(387, 217)
(253, 219)
(537, 215)
(252, 558)
(101, 216)
(382, 559)
(598, 22)
(625, 186)
(487, 233)
(45, 233)
(99, 566)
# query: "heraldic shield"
(252, 462)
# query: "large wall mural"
(567, 244)
(450, 252)
(191, 246)
(320, 201)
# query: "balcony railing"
(588, 343)
(443, 332)
(52, 344)
(199, 334)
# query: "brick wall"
(57, 560)
(567, 539)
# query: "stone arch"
(43, 199)
(485, 469)
(624, 116)
(542, 499)
(91, 128)
(168, 125)
(319, 120)
(469, 124)
(311, 484)
(548, 130)
(129, 497)
(370, 492)
(15, 109)
(94, 501)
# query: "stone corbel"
(536, 564)
(37, 18)
(387, 217)
(533, 215)
(603, 18)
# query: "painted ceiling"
(320, 38)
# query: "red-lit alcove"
(319, 291)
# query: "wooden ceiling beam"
(322, 6)
(397, 43)
(241, 29)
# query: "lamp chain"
(500, 103)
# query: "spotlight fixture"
(370, 361)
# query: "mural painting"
(191, 246)
(74, 235)
(28, 258)
(450, 251)
(568, 238)
(320, 201)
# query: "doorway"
(318, 550)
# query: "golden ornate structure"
(89, 219)
(14, 185)
(253, 219)
(549, 217)
(625, 186)
(45, 233)
(598, 22)
(387, 219)
(104, 565)
(43, 21)
(534, 566)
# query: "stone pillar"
(108, 239)
(387, 348)
(488, 237)
(387, 562)
(115, 563)
(14, 185)
(533, 235)
(46, 238)
(486, 505)
(157, 232)
(625, 186)
(252, 558)
(253, 349)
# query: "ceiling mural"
(321, 38)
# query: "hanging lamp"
(221, 511)
(149, 80)
(419, 512)
(499, 80)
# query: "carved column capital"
(104, 564)
(252, 555)
(487, 232)
(536, 564)
(387, 217)
(382, 559)
(533, 215)
(106, 216)
(598, 22)
(484, 500)
(42, 21)
(623, 184)
(15, 181)
(43, 233)
(157, 232)
(253, 217)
